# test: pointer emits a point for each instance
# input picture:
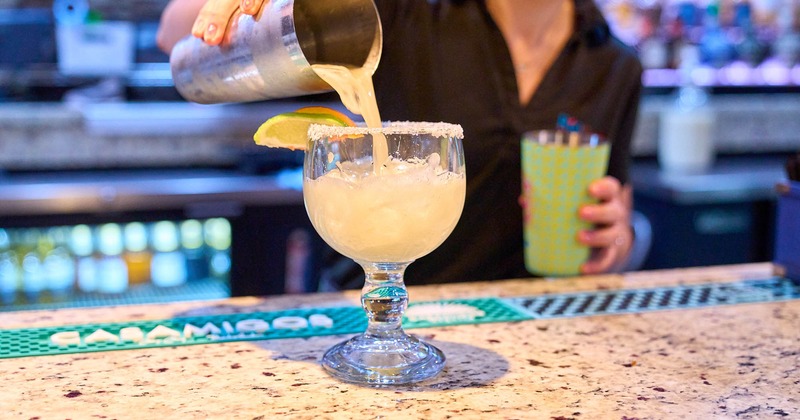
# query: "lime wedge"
(323, 110)
(290, 129)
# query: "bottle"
(112, 274)
(686, 129)
(749, 48)
(9, 269)
(137, 256)
(81, 244)
(787, 46)
(58, 264)
(33, 275)
(193, 248)
(168, 266)
(217, 234)
(715, 47)
(653, 51)
(270, 56)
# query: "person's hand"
(215, 17)
(612, 237)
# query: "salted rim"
(438, 129)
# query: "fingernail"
(197, 25)
(212, 29)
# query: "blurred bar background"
(103, 165)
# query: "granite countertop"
(731, 361)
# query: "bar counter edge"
(724, 361)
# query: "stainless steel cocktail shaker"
(270, 56)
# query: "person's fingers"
(604, 188)
(198, 27)
(610, 207)
(610, 244)
(601, 237)
(212, 21)
(603, 213)
(601, 261)
(252, 7)
(612, 237)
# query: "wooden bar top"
(730, 361)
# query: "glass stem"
(384, 298)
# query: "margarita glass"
(384, 217)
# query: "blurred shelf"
(770, 76)
(732, 179)
(205, 289)
(45, 74)
(201, 192)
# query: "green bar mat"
(309, 322)
(293, 323)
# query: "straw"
(574, 139)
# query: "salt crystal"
(440, 129)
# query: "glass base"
(395, 360)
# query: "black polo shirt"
(448, 61)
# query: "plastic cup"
(557, 167)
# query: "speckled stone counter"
(736, 361)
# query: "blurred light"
(135, 237)
(191, 234)
(775, 73)
(704, 76)
(110, 239)
(796, 74)
(737, 74)
(218, 233)
(81, 240)
(165, 236)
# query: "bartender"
(499, 68)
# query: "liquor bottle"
(686, 130)
(653, 52)
(168, 266)
(748, 47)
(137, 255)
(193, 248)
(112, 273)
(9, 269)
(715, 46)
(217, 234)
(81, 243)
(787, 46)
(58, 264)
(33, 276)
